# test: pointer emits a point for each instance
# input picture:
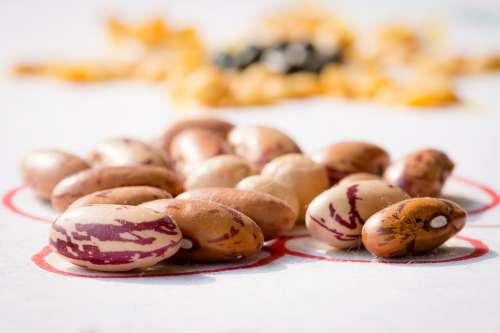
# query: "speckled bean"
(412, 227)
(422, 173)
(344, 158)
(270, 213)
(219, 171)
(114, 237)
(260, 144)
(126, 195)
(212, 232)
(124, 151)
(301, 174)
(43, 169)
(336, 216)
(96, 179)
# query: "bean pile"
(210, 191)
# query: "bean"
(422, 173)
(301, 174)
(126, 195)
(219, 171)
(193, 146)
(96, 179)
(267, 185)
(336, 216)
(271, 214)
(43, 169)
(211, 232)
(114, 237)
(124, 151)
(345, 158)
(358, 176)
(260, 144)
(412, 227)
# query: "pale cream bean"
(96, 179)
(43, 169)
(344, 158)
(219, 171)
(212, 232)
(267, 185)
(124, 151)
(126, 195)
(301, 174)
(271, 214)
(422, 173)
(114, 237)
(412, 227)
(260, 144)
(336, 216)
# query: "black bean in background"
(225, 60)
(248, 56)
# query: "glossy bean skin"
(124, 151)
(267, 185)
(422, 173)
(219, 171)
(301, 174)
(359, 176)
(126, 195)
(43, 169)
(114, 237)
(97, 179)
(412, 227)
(345, 158)
(193, 146)
(213, 124)
(336, 216)
(212, 232)
(259, 144)
(271, 214)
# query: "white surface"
(292, 294)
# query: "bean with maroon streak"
(114, 237)
(212, 232)
(336, 216)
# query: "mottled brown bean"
(211, 232)
(270, 213)
(359, 176)
(260, 144)
(412, 227)
(43, 169)
(345, 158)
(96, 179)
(126, 195)
(422, 173)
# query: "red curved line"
(495, 197)
(8, 202)
(39, 260)
(480, 249)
